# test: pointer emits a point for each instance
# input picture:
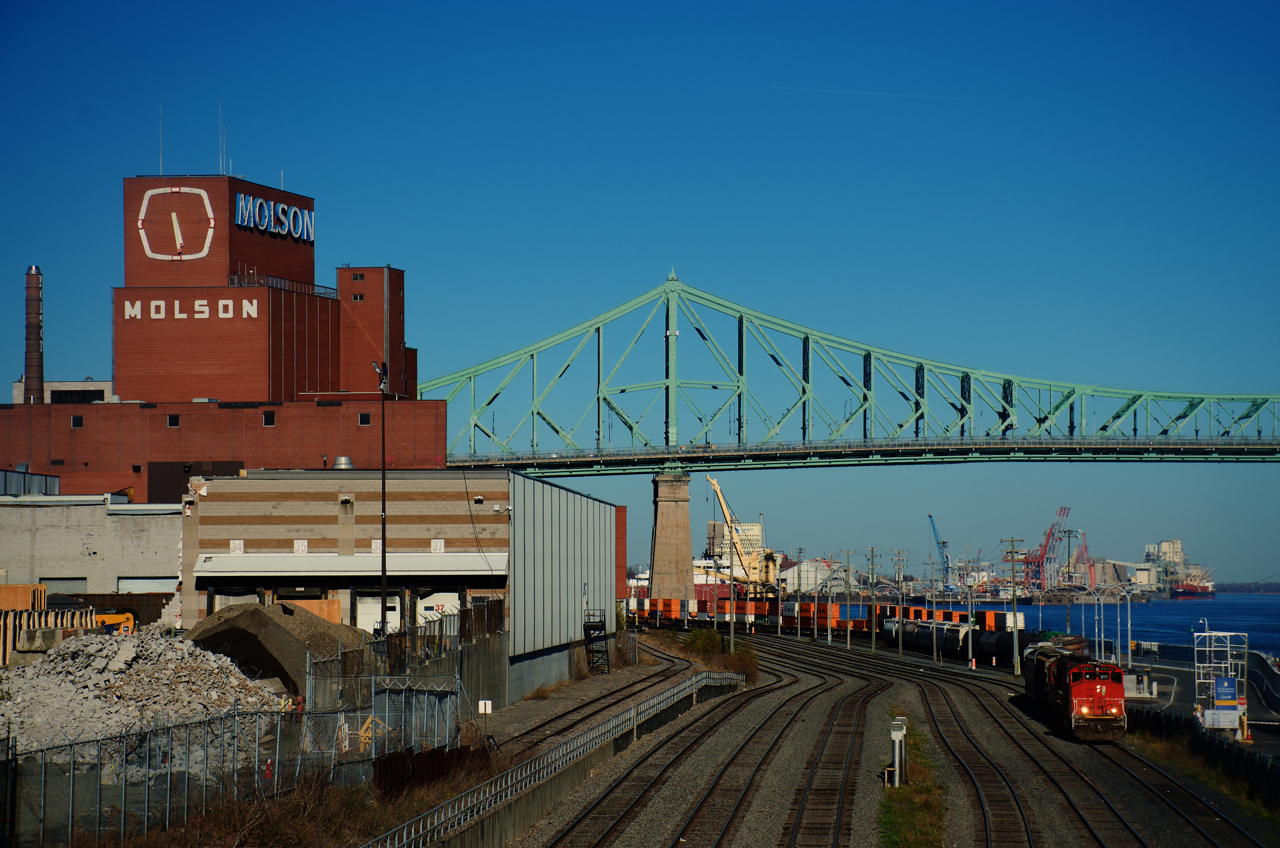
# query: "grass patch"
(544, 691)
(1175, 756)
(914, 815)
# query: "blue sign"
(1224, 693)
(272, 217)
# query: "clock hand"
(177, 231)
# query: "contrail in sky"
(882, 94)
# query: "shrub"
(744, 662)
(705, 642)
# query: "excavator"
(758, 569)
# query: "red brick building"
(226, 354)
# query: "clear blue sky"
(1088, 193)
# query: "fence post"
(235, 751)
(71, 799)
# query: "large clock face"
(176, 223)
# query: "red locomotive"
(1084, 697)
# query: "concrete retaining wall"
(506, 824)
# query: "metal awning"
(399, 565)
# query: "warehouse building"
(78, 544)
(550, 553)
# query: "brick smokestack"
(33, 387)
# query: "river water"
(1169, 622)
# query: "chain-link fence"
(160, 777)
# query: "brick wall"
(115, 439)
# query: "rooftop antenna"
(161, 114)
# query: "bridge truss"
(779, 394)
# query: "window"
(357, 278)
(77, 421)
(364, 419)
(357, 298)
(57, 462)
(173, 420)
(269, 418)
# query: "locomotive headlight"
(1114, 710)
(1084, 709)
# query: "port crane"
(943, 556)
(1035, 564)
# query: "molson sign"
(272, 217)
(159, 309)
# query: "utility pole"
(872, 616)
(898, 573)
(848, 622)
(1013, 584)
(933, 588)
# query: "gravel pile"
(97, 685)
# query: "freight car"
(1085, 698)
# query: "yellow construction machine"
(758, 569)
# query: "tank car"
(1085, 698)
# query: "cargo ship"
(1187, 591)
(1196, 584)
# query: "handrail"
(474, 803)
(251, 280)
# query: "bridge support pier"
(671, 551)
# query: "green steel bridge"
(777, 394)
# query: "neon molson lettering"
(159, 309)
(272, 217)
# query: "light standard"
(382, 394)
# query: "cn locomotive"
(1085, 698)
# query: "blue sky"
(1085, 193)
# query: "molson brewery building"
(226, 353)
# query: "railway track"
(1005, 820)
(619, 803)
(582, 714)
(1196, 810)
(1104, 821)
(818, 814)
(717, 812)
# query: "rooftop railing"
(252, 280)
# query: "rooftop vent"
(343, 463)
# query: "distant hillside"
(1249, 588)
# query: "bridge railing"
(1074, 446)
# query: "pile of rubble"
(97, 685)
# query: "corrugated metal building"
(549, 551)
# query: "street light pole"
(901, 599)
(382, 394)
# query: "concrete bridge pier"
(671, 551)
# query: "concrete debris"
(98, 685)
